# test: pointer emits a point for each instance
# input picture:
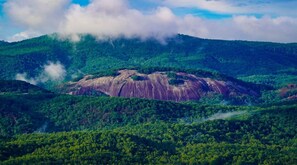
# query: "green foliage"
(17, 115)
(175, 79)
(104, 130)
(140, 131)
(137, 78)
(19, 87)
(266, 137)
(83, 148)
(105, 73)
(235, 58)
(276, 80)
(213, 98)
(176, 82)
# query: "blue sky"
(81, 2)
(218, 19)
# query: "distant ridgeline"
(89, 55)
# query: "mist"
(223, 116)
(216, 116)
(52, 71)
(42, 128)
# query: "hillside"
(124, 130)
(19, 87)
(27, 113)
(186, 101)
(89, 55)
(170, 85)
(3, 43)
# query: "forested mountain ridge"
(37, 125)
(91, 55)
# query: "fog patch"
(24, 77)
(224, 116)
(51, 71)
(42, 129)
(55, 71)
(216, 116)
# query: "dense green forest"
(43, 127)
(89, 55)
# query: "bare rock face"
(130, 83)
(289, 92)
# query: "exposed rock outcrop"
(289, 92)
(130, 83)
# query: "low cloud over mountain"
(117, 18)
(51, 72)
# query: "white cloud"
(271, 7)
(105, 18)
(51, 72)
(55, 71)
(23, 35)
(115, 18)
(280, 29)
(24, 77)
(219, 6)
(43, 15)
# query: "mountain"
(89, 55)
(246, 112)
(46, 128)
(170, 85)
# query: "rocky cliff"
(157, 85)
